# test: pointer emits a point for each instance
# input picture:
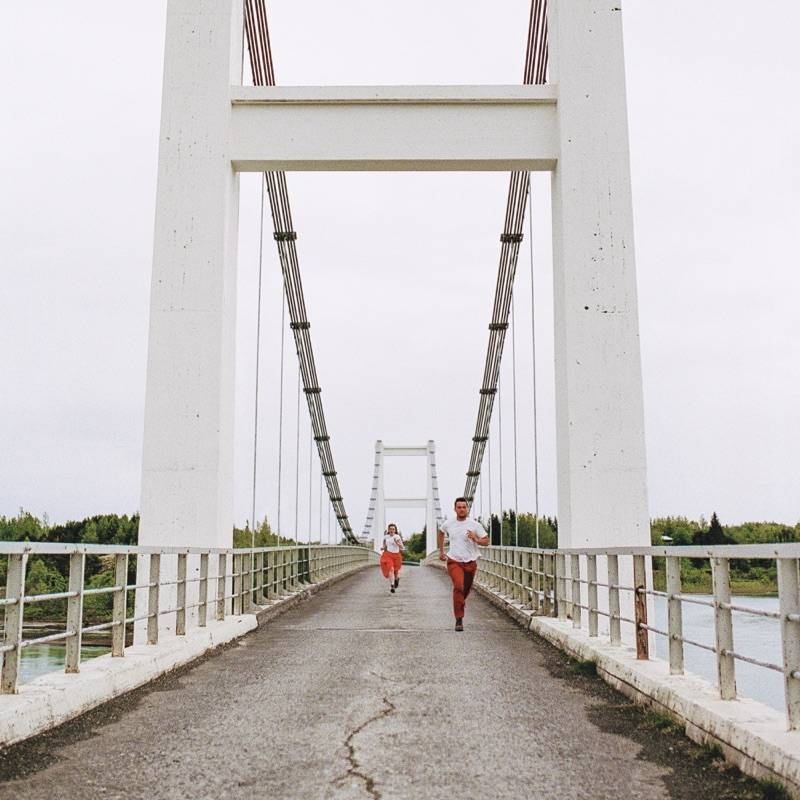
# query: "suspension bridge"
(328, 686)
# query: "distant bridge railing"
(223, 582)
(567, 584)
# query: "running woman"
(391, 556)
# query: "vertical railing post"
(272, 574)
(640, 608)
(15, 590)
(202, 592)
(513, 557)
(75, 613)
(222, 569)
(260, 594)
(548, 569)
(575, 578)
(180, 611)
(248, 563)
(591, 577)
(674, 615)
(723, 627)
(153, 592)
(530, 563)
(120, 610)
(614, 624)
(789, 594)
(237, 584)
(561, 586)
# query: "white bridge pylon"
(375, 524)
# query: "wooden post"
(640, 608)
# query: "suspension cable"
(258, 359)
(514, 415)
(481, 481)
(280, 410)
(533, 360)
(297, 467)
(263, 73)
(489, 475)
(500, 452)
(536, 59)
(310, 482)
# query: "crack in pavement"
(354, 770)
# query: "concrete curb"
(55, 698)
(751, 735)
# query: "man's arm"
(481, 541)
(440, 543)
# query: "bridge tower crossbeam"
(376, 521)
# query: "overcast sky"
(715, 137)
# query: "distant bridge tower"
(375, 524)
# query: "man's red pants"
(462, 573)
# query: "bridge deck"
(363, 694)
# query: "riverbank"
(702, 584)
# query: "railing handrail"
(787, 550)
(57, 548)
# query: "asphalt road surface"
(363, 694)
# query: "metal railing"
(566, 584)
(239, 581)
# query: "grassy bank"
(701, 584)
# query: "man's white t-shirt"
(392, 542)
(462, 548)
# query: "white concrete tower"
(602, 486)
(187, 470)
(187, 461)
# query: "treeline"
(683, 531)
(751, 576)
(50, 574)
(263, 536)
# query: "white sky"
(714, 131)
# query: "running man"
(391, 556)
(466, 535)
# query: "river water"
(757, 637)
(39, 659)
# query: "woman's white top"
(392, 542)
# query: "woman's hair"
(392, 525)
